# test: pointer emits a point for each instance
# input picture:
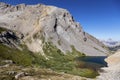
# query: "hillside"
(32, 23)
(45, 36)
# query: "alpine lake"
(92, 62)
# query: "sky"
(100, 18)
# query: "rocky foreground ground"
(11, 71)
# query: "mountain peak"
(54, 24)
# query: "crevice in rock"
(55, 26)
(85, 39)
(84, 33)
(64, 15)
(73, 19)
(67, 28)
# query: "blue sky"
(100, 18)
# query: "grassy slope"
(65, 63)
(18, 57)
(57, 62)
(2, 29)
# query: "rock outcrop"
(37, 23)
(9, 38)
(112, 72)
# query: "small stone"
(21, 74)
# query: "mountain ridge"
(112, 44)
(30, 21)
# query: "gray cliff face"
(33, 23)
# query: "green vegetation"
(17, 56)
(8, 77)
(59, 42)
(76, 53)
(84, 72)
(58, 61)
(9, 73)
(63, 63)
(2, 29)
(96, 48)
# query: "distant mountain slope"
(111, 44)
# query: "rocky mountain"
(111, 44)
(31, 24)
(44, 36)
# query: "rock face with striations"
(33, 24)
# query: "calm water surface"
(94, 62)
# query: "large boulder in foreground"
(112, 72)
